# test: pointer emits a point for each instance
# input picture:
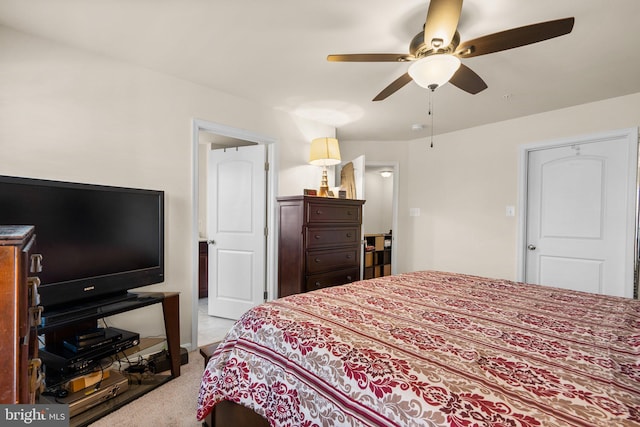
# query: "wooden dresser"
(18, 293)
(319, 243)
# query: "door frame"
(198, 125)
(631, 135)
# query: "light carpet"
(172, 404)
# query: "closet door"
(580, 205)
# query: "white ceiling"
(274, 52)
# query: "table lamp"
(324, 152)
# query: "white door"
(236, 221)
(580, 216)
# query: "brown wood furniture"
(377, 260)
(203, 269)
(18, 294)
(206, 351)
(319, 243)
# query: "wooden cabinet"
(319, 243)
(18, 295)
(377, 255)
(203, 269)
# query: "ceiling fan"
(435, 52)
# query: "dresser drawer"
(323, 237)
(327, 260)
(332, 213)
(334, 278)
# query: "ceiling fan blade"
(442, 21)
(515, 37)
(371, 57)
(466, 79)
(397, 84)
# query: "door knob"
(211, 242)
(531, 247)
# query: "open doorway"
(379, 218)
(206, 137)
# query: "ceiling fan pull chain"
(431, 113)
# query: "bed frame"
(228, 413)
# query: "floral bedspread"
(433, 349)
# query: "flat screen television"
(96, 241)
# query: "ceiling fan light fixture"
(434, 70)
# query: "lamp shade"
(324, 152)
(434, 70)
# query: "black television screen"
(95, 240)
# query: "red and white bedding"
(433, 349)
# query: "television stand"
(59, 326)
(59, 322)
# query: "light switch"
(511, 211)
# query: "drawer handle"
(317, 260)
(317, 284)
(348, 256)
(349, 213)
(349, 278)
(349, 235)
(318, 212)
(317, 237)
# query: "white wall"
(465, 182)
(66, 114)
(463, 185)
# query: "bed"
(430, 349)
